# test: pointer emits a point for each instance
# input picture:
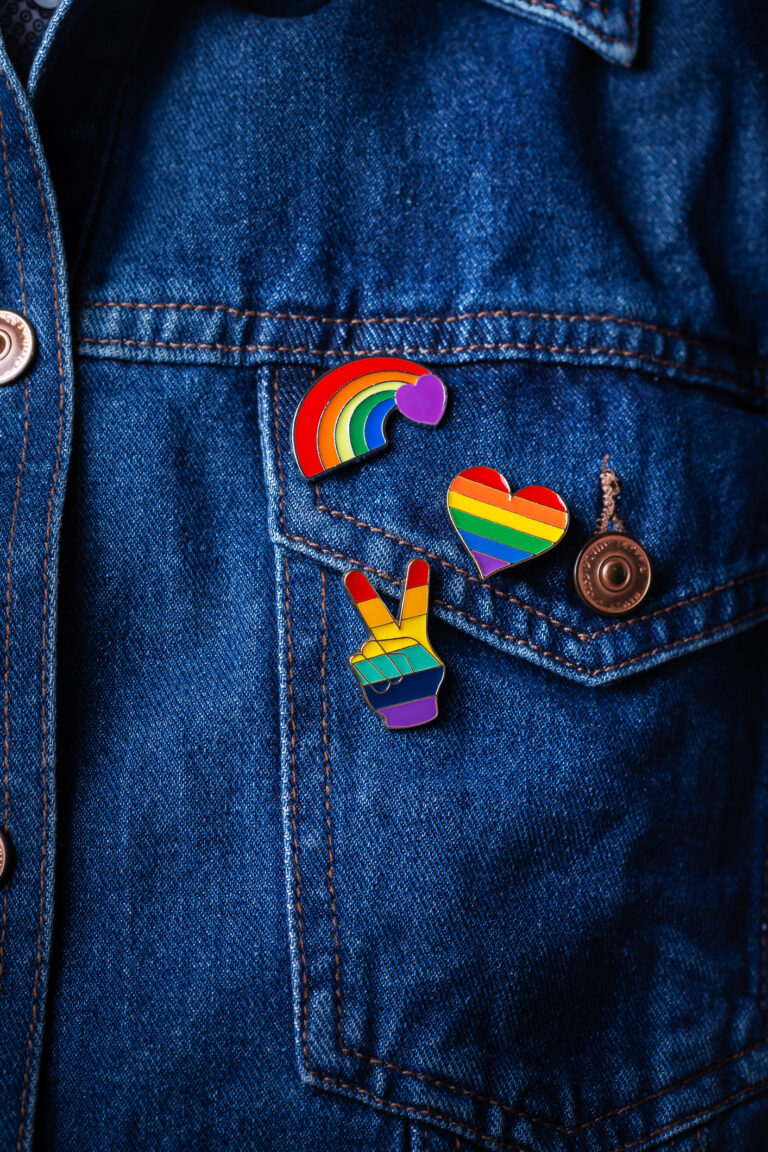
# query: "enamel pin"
(500, 528)
(344, 415)
(397, 669)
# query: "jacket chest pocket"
(537, 923)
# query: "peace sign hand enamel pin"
(398, 670)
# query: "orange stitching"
(460, 317)
(692, 1116)
(582, 636)
(538, 1120)
(327, 798)
(417, 350)
(608, 667)
(9, 563)
(426, 1111)
(424, 1077)
(294, 820)
(394, 1106)
(445, 563)
(337, 981)
(516, 639)
(44, 672)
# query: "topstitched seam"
(582, 636)
(458, 318)
(375, 321)
(44, 669)
(337, 978)
(337, 995)
(9, 562)
(521, 346)
(582, 668)
(294, 819)
(493, 1141)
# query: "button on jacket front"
(237, 910)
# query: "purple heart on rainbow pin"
(425, 401)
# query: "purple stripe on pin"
(410, 714)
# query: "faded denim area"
(244, 916)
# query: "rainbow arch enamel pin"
(344, 415)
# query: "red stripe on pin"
(359, 587)
(418, 574)
(543, 496)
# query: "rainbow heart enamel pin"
(499, 527)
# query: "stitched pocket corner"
(610, 27)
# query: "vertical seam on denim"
(278, 450)
(44, 643)
(294, 817)
(327, 801)
(9, 564)
(426, 1137)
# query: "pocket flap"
(693, 494)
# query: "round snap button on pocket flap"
(613, 573)
(17, 346)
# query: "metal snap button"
(5, 856)
(17, 346)
(613, 573)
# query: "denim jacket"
(242, 914)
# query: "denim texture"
(243, 915)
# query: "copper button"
(5, 856)
(17, 346)
(613, 573)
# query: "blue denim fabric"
(243, 915)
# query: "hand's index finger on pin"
(369, 604)
(416, 593)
